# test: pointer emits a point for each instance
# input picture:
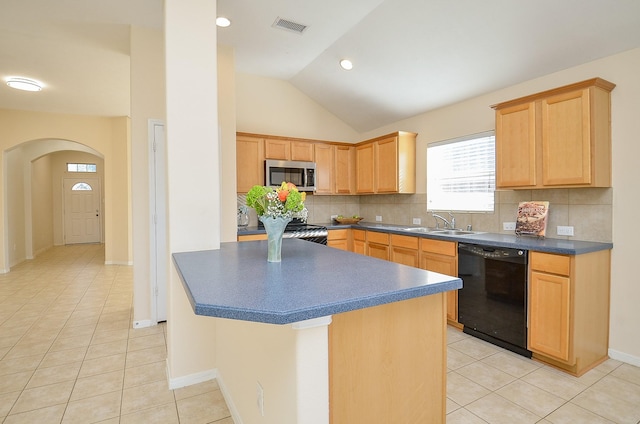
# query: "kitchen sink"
(456, 232)
(420, 229)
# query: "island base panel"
(388, 363)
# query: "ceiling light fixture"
(222, 22)
(25, 84)
(346, 64)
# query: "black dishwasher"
(492, 304)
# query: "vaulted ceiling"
(409, 56)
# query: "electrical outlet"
(565, 230)
(417, 221)
(260, 398)
(509, 226)
(378, 218)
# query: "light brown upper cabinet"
(283, 149)
(387, 164)
(557, 138)
(345, 169)
(324, 154)
(365, 168)
(249, 162)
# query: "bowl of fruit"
(348, 220)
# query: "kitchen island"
(323, 336)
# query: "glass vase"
(275, 229)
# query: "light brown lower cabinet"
(378, 245)
(569, 309)
(387, 363)
(359, 241)
(251, 237)
(339, 239)
(433, 255)
(442, 257)
(404, 250)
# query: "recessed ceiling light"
(222, 22)
(25, 84)
(346, 64)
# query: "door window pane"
(81, 187)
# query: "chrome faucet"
(451, 224)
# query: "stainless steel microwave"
(302, 174)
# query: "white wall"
(275, 107)
(291, 365)
(193, 153)
(15, 224)
(147, 102)
(42, 204)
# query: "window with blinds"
(461, 174)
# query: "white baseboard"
(188, 380)
(235, 415)
(201, 377)
(143, 323)
(118, 263)
(624, 357)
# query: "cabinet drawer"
(337, 234)
(252, 237)
(404, 241)
(359, 235)
(438, 246)
(375, 237)
(551, 263)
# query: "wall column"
(193, 175)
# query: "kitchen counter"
(549, 245)
(355, 321)
(312, 281)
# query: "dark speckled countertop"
(550, 245)
(312, 281)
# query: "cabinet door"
(252, 237)
(379, 251)
(405, 256)
(324, 168)
(365, 169)
(516, 146)
(359, 241)
(338, 244)
(549, 311)
(386, 165)
(249, 162)
(447, 265)
(277, 149)
(302, 151)
(338, 239)
(404, 250)
(344, 174)
(566, 139)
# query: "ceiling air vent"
(289, 25)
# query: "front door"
(82, 210)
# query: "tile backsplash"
(588, 210)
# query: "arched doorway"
(33, 178)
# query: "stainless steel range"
(299, 229)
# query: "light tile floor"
(487, 384)
(68, 354)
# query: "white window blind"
(461, 174)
